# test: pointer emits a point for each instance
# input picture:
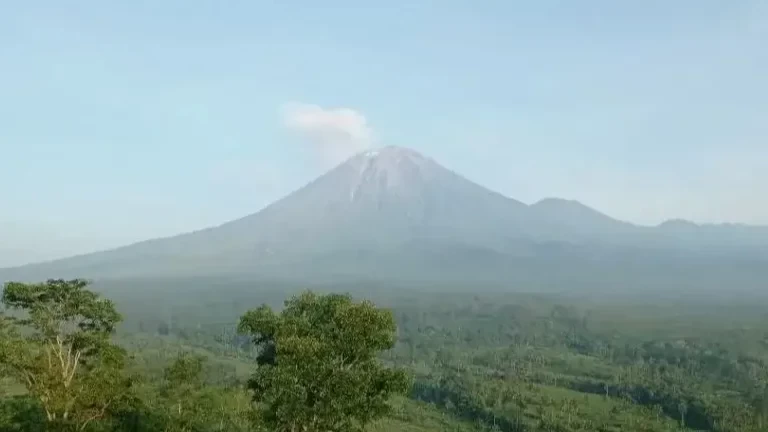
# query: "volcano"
(394, 213)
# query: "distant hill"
(393, 213)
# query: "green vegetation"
(60, 350)
(439, 361)
(318, 369)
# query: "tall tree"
(317, 367)
(58, 346)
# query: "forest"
(217, 355)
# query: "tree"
(682, 408)
(317, 365)
(163, 329)
(181, 388)
(58, 346)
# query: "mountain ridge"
(385, 202)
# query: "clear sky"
(121, 121)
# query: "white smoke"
(335, 134)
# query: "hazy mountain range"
(395, 214)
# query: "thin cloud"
(334, 133)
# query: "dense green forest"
(236, 356)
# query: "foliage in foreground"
(59, 348)
(318, 367)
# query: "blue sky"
(121, 121)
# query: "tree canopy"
(58, 346)
(317, 365)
